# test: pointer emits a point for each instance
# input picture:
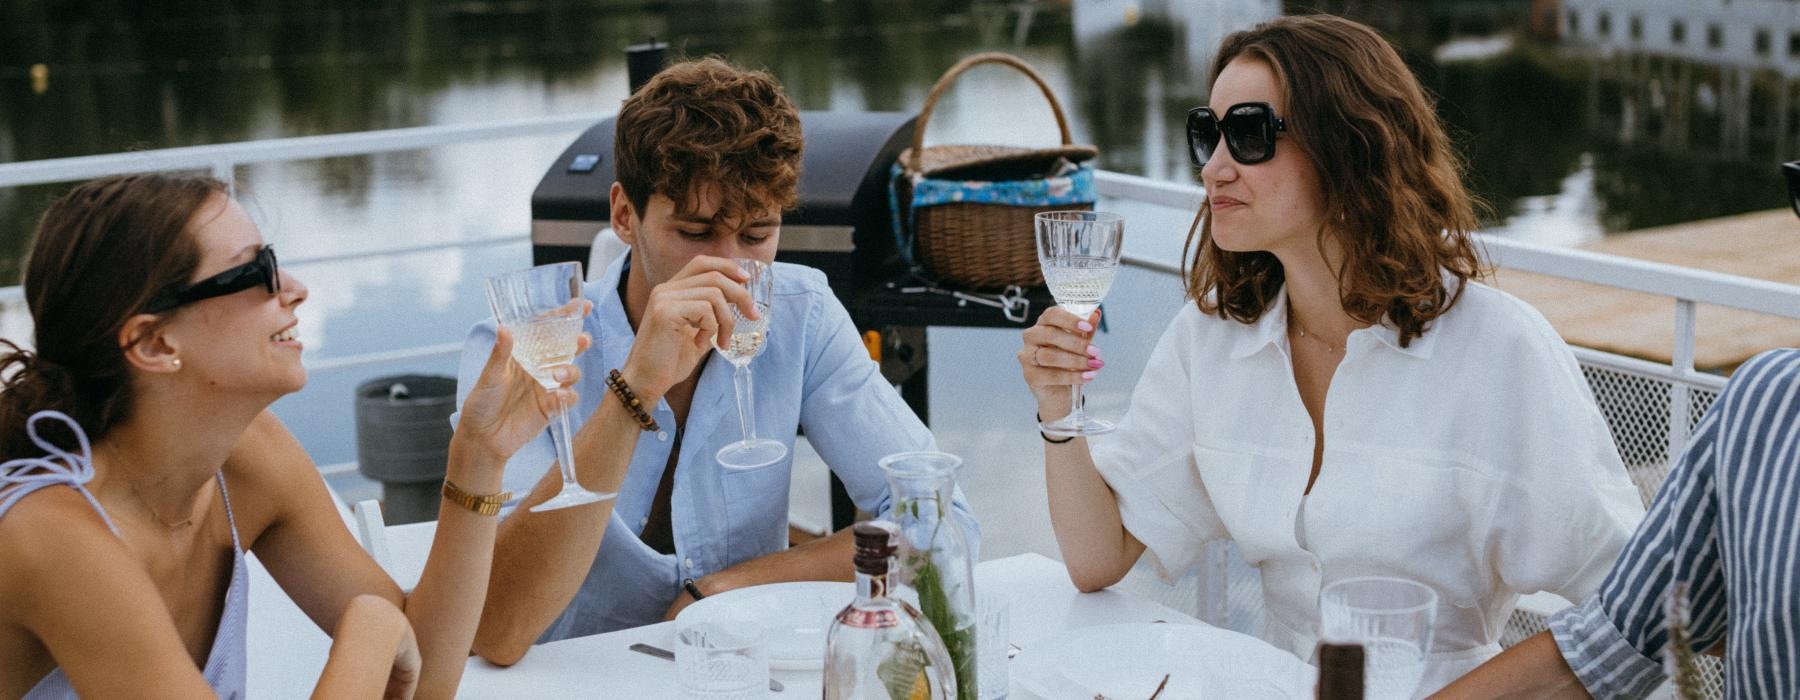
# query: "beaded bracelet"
(616, 382)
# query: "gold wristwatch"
(484, 505)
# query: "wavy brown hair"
(100, 253)
(1392, 182)
(706, 122)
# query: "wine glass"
(747, 340)
(1080, 253)
(543, 308)
(1392, 619)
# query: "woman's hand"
(507, 407)
(1059, 353)
(403, 678)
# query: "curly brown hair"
(706, 122)
(1392, 182)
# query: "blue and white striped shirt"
(1727, 524)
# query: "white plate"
(794, 617)
(1126, 662)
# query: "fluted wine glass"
(1080, 254)
(543, 308)
(746, 342)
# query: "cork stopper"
(1340, 671)
(874, 545)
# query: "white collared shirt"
(1474, 461)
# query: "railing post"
(226, 171)
(1680, 400)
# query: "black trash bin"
(403, 441)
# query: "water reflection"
(1603, 115)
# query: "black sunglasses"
(260, 271)
(1792, 170)
(1249, 130)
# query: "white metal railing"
(221, 160)
(1687, 287)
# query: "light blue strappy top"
(225, 664)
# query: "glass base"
(1077, 424)
(750, 454)
(572, 496)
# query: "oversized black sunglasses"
(260, 271)
(1249, 130)
(1791, 170)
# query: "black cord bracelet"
(1046, 436)
(692, 589)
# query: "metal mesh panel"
(1637, 407)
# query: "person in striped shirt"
(1725, 528)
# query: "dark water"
(1564, 146)
(122, 75)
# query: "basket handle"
(943, 83)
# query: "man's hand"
(708, 586)
(683, 317)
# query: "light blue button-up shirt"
(813, 373)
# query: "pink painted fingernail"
(1093, 351)
(1095, 364)
(1088, 375)
(1085, 327)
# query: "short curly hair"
(706, 122)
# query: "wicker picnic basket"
(964, 212)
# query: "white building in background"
(1756, 34)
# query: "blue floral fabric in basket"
(1076, 187)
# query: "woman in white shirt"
(1339, 399)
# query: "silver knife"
(666, 655)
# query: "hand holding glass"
(1080, 253)
(746, 342)
(543, 308)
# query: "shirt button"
(662, 435)
(687, 563)
(644, 521)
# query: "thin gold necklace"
(1302, 329)
(158, 516)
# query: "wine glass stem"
(1076, 415)
(746, 401)
(565, 452)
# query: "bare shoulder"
(269, 474)
(53, 538)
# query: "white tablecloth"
(287, 651)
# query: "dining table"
(286, 650)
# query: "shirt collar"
(1271, 329)
(609, 307)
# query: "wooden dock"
(1761, 245)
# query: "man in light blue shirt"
(707, 158)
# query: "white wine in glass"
(1079, 251)
(542, 306)
(748, 338)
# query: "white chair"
(607, 248)
(400, 550)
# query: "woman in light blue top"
(144, 464)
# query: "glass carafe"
(935, 557)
